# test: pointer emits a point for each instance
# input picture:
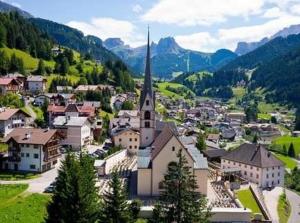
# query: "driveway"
(271, 201)
(39, 184)
(295, 204)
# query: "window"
(130, 147)
(120, 140)
(135, 139)
(278, 181)
(272, 174)
(147, 115)
(245, 173)
(267, 175)
(251, 174)
(279, 168)
(272, 168)
(36, 146)
(251, 167)
(27, 145)
(135, 147)
(233, 163)
(257, 169)
(27, 154)
(22, 154)
(257, 176)
(245, 166)
(36, 156)
(173, 148)
(147, 102)
(147, 124)
(32, 166)
(130, 139)
(279, 174)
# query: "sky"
(203, 25)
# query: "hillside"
(264, 54)
(74, 39)
(168, 57)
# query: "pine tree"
(4, 62)
(64, 207)
(64, 67)
(291, 151)
(201, 145)
(14, 64)
(284, 150)
(179, 201)
(41, 70)
(115, 207)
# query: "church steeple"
(147, 88)
(147, 105)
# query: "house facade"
(30, 149)
(36, 84)
(11, 118)
(256, 164)
(9, 85)
(127, 138)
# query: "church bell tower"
(147, 105)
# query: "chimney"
(27, 135)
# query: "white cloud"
(109, 27)
(228, 38)
(201, 12)
(137, 8)
(296, 9)
(272, 13)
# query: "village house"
(79, 110)
(160, 144)
(99, 87)
(36, 84)
(11, 118)
(128, 114)
(119, 100)
(127, 138)
(239, 117)
(54, 98)
(19, 77)
(30, 149)
(9, 85)
(256, 164)
(76, 131)
(64, 89)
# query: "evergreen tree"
(115, 207)
(82, 81)
(41, 70)
(201, 145)
(291, 151)
(255, 139)
(65, 206)
(75, 198)
(4, 62)
(135, 207)
(14, 63)
(179, 201)
(284, 150)
(64, 67)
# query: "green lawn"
(20, 208)
(283, 209)
(264, 116)
(248, 201)
(104, 113)
(289, 162)
(8, 191)
(287, 140)
(162, 89)
(30, 63)
(17, 175)
(73, 78)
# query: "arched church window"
(147, 124)
(147, 115)
(147, 102)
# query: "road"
(271, 201)
(294, 200)
(37, 185)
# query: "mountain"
(274, 48)
(74, 39)
(244, 47)
(4, 7)
(168, 57)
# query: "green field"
(73, 78)
(264, 116)
(19, 207)
(16, 175)
(283, 209)
(289, 162)
(287, 140)
(248, 201)
(238, 92)
(30, 63)
(162, 89)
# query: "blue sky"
(196, 24)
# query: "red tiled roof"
(6, 81)
(8, 112)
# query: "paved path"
(271, 201)
(294, 200)
(37, 185)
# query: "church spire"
(147, 88)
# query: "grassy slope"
(30, 63)
(164, 91)
(20, 208)
(248, 201)
(289, 162)
(286, 140)
(283, 209)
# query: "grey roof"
(254, 155)
(200, 160)
(144, 158)
(188, 140)
(99, 163)
(69, 121)
(36, 78)
(215, 153)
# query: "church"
(159, 145)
